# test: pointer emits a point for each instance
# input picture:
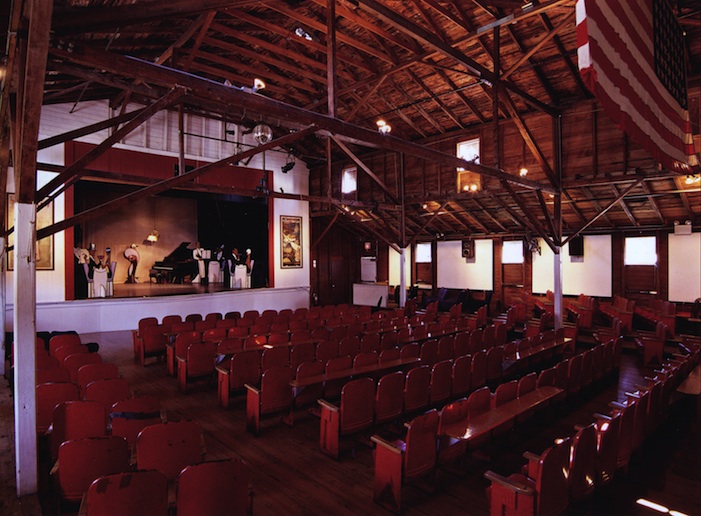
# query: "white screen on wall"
(684, 267)
(455, 272)
(590, 275)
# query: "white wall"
(394, 270)
(591, 275)
(684, 267)
(455, 272)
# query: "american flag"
(631, 57)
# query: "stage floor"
(165, 289)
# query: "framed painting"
(290, 242)
(44, 252)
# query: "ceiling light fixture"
(299, 31)
(523, 171)
(153, 237)
(383, 127)
(258, 85)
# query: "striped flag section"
(617, 47)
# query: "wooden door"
(340, 281)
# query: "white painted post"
(557, 289)
(24, 349)
(402, 278)
(3, 305)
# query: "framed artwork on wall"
(44, 252)
(290, 242)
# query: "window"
(349, 180)
(423, 253)
(468, 150)
(512, 252)
(640, 251)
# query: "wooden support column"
(402, 235)
(557, 288)
(3, 304)
(495, 100)
(557, 215)
(331, 56)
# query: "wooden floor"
(291, 476)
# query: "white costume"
(198, 254)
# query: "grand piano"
(175, 266)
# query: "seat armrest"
(254, 390)
(531, 456)
(602, 417)
(327, 405)
(617, 405)
(385, 444)
(509, 483)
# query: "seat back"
(412, 350)
(275, 357)
(527, 384)
(98, 371)
(169, 447)
(388, 355)
(275, 389)
(244, 368)
(48, 395)
(77, 360)
(214, 334)
(181, 326)
(583, 459)
(357, 405)
(76, 420)
(229, 346)
(309, 394)
(131, 416)
(446, 348)
(301, 352)
(461, 376)
(479, 369)
(326, 350)
(389, 340)
(56, 375)
(154, 340)
(65, 339)
(479, 402)
(461, 344)
(81, 461)
(183, 341)
(169, 320)
(64, 352)
(429, 352)
(417, 388)
(551, 479)
(332, 388)
(441, 382)
(505, 392)
(495, 357)
(607, 449)
(214, 488)
(389, 397)
(201, 357)
(135, 493)
(349, 346)
(108, 391)
(369, 358)
(203, 325)
(421, 445)
(370, 342)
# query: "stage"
(153, 289)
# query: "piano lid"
(180, 254)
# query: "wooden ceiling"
(427, 67)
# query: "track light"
(258, 85)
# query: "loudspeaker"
(468, 248)
(577, 246)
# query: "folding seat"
(226, 324)
(229, 346)
(296, 325)
(404, 336)
(259, 329)
(308, 394)
(479, 403)
(320, 334)
(587, 368)
(354, 414)
(81, 461)
(429, 352)
(279, 327)
(180, 327)
(370, 342)
(108, 391)
(582, 469)
(417, 389)
(301, 352)
(54, 375)
(333, 387)
(441, 382)
(401, 462)
(255, 342)
(451, 449)
(63, 352)
(326, 350)
(503, 394)
(274, 357)
(201, 489)
(301, 336)
(240, 332)
(65, 339)
(45, 361)
(169, 447)
(194, 318)
(130, 416)
(546, 377)
(153, 343)
(461, 344)
(137, 493)
(526, 384)
(75, 361)
(76, 420)
(198, 363)
(214, 334)
(179, 349)
(389, 339)
(626, 413)
(543, 489)
(48, 395)
(138, 334)
(489, 336)
(234, 315)
(495, 357)
(389, 398)
(316, 323)
(98, 371)
(278, 339)
(446, 345)
(419, 333)
(338, 333)
(461, 376)
(500, 335)
(169, 320)
(366, 359)
(476, 341)
(275, 395)
(348, 346)
(479, 369)
(607, 430)
(574, 375)
(562, 374)
(245, 322)
(412, 350)
(389, 355)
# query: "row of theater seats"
(620, 308)
(658, 311)
(426, 445)
(91, 426)
(575, 466)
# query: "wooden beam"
(428, 221)
(73, 172)
(535, 223)
(331, 80)
(326, 230)
(211, 91)
(624, 206)
(167, 184)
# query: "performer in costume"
(131, 254)
(198, 254)
(249, 269)
(239, 269)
